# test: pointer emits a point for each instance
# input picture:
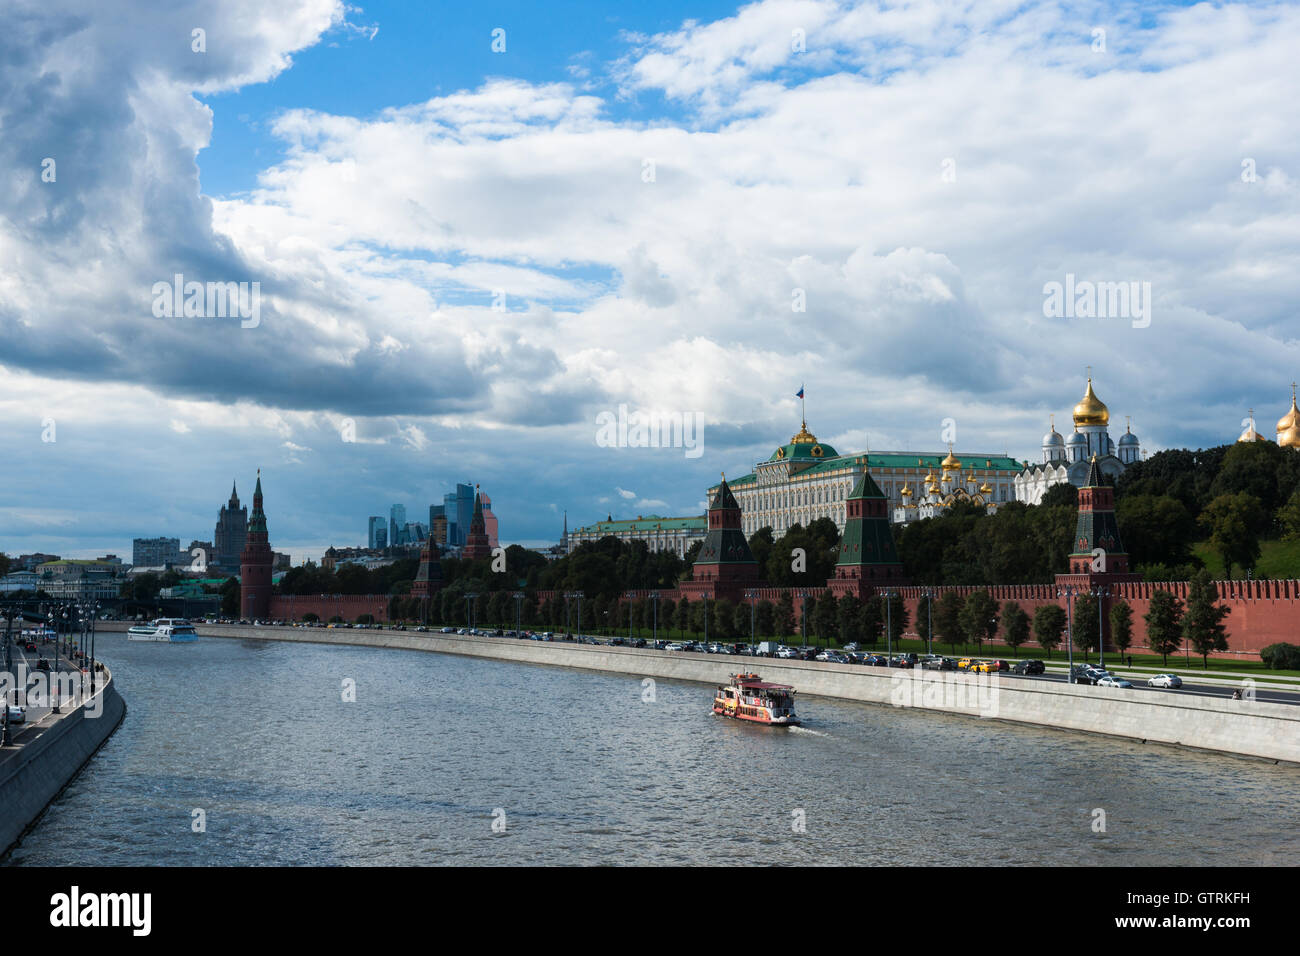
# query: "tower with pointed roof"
(228, 539)
(428, 579)
(724, 566)
(476, 542)
(868, 558)
(1097, 555)
(255, 564)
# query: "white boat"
(165, 630)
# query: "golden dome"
(951, 463)
(986, 489)
(1290, 420)
(1091, 410)
(906, 492)
(1289, 438)
(805, 437)
(1250, 434)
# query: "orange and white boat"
(748, 697)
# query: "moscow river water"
(575, 767)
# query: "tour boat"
(173, 630)
(748, 697)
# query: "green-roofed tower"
(868, 558)
(724, 565)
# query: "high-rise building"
(396, 524)
(489, 521)
(464, 512)
(156, 552)
(228, 540)
(255, 564)
(378, 537)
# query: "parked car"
(964, 664)
(939, 664)
(1028, 667)
(639, 642)
(853, 646)
(1165, 680)
(787, 653)
(17, 715)
(672, 647)
(1110, 680)
(877, 660)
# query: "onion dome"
(804, 444)
(1078, 438)
(1128, 438)
(986, 489)
(906, 492)
(951, 463)
(1091, 410)
(1288, 426)
(1053, 439)
(1250, 434)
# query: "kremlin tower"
(255, 564)
(724, 566)
(476, 543)
(1096, 529)
(868, 558)
(428, 579)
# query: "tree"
(849, 619)
(1086, 621)
(1121, 625)
(744, 618)
(1288, 516)
(683, 616)
(1163, 619)
(1049, 622)
(1156, 529)
(948, 619)
(870, 622)
(979, 617)
(784, 620)
(825, 615)
(1015, 626)
(1203, 621)
(766, 619)
(1233, 523)
(230, 605)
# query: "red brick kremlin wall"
(1263, 612)
(291, 607)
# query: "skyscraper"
(489, 521)
(464, 512)
(396, 524)
(378, 537)
(228, 540)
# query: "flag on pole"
(799, 394)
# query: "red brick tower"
(725, 566)
(255, 564)
(867, 558)
(476, 542)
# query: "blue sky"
(466, 257)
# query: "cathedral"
(1070, 459)
(1288, 426)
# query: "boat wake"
(808, 730)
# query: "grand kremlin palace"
(805, 479)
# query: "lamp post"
(519, 612)
(1102, 594)
(803, 618)
(470, 597)
(889, 624)
(929, 618)
(1068, 593)
(94, 661)
(10, 613)
(752, 595)
(630, 596)
(654, 625)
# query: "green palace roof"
(646, 523)
(888, 459)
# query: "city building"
(203, 559)
(804, 480)
(396, 525)
(255, 564)
(458, 506)
(157, 552)
(29, 562)
(428, 579)
(1070, 459)
(489, 522)
(19, 581)
(377, 539)
(228, 538)
(658, 533)
(438, 523)
(75, 580)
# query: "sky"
(478, 230)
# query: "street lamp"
(752, 595)
(654, 628)
(1068, 593)
(630, 596)
(519, 604)
(470, 597)
(1102, 594)
(889, 624)
(929, 618)
(803, 618)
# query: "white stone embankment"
(32, 775)
(1253, 728)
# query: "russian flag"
(799, 394)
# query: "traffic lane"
(36, 713)
(1195, 690)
